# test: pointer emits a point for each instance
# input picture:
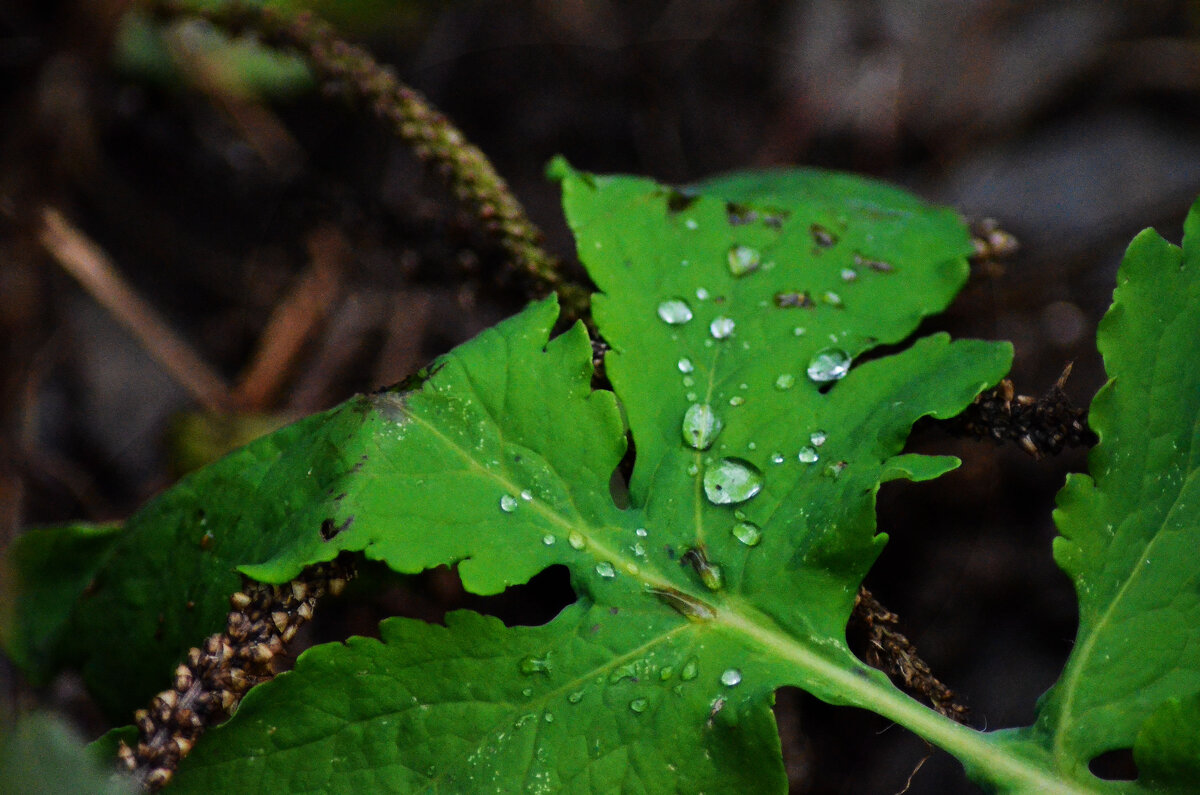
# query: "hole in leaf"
(1115, 765)
(618, 482)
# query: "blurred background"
(300, 253)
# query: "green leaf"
(730, 573)
(40, 754)
(1130, 531)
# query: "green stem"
(972, 748)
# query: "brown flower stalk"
(432, 136)
(895, 655)
(211, 682)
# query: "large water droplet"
(606, 570)
(732, 480)
(748, 533)
(807, 455)
(721, 327)
(785, 381)
(817, 438)
(675, 312)
(690, 670)
(731, 677)
(508, 503)
(639, 705)
(530, 665)
(700, 426)
(576, 540)
(743, 260)
(829, 364)
(685, 365)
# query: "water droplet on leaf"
(785, 381)
(807, 455)
(731, 677)
(548, 540)
(732, 480)
(530, 665)
(748, 533)
(527, 495)
(575, 697)
(641, 532)
(833, 299)
(743, 260)
(701, 294)
(721, 327)
(691, 669)
(829, 364)
(675, 312)
(849, 274)
(777, 458)
(606, 570)
(576, 540)
(686, 366)
(639, 705)
(700, 426)
(508, 503)
(817, 438)
(736, 400)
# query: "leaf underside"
(730, 573)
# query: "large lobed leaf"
(1130, 535)
(731, 571)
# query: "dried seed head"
(336, 586)
(305, 611)
(239, 600)
(125, 754)
(183, 678)
(280, 618)
(158, 778)
(299, 590)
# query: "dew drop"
(701, 294)
(548, 540)
(689, 381)
(576, 540)
(777, 458)
(530, 665)
(712, 576)
(748, 533)
(685, 365)
(732, 480)
(829, 364)
(508, 503)
(833, 299)
(743, 260)
(606, 570)
(641, 532)
(575, 697)
(731, 677)
(834, 470)
(807, 455)
(817, 438)
(675, 312)
(849, 274)
(785, 381)
(700, 426)
(527, 495)
(639, 549)
(691, 396)
(639, 705)
(690, 223)
(721, 327)
(693, 470)
(690, 669)
(666, 672)
(626, 671)
(736, 400)
(798, 331)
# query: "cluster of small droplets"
(211, 682)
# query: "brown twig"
(83, 259)
(1040, 426)
(211, 682)
(895, 655)
(472, 178)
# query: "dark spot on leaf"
(775, 220)
(1115, 765)
(614, 610)
(793, 299)
(669, 551)
(877, 265)
(739, 214)
(329, 530)
(822, 236)
(678, 201)
(190, 605)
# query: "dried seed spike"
(229, 700)
(183, 678)
(257, 652)
(305, 611)
(288, 634)
(280, 619)
(237, 678)
(158, 778)
(239, 600)
(299, 590)
(125, 754)
(183, 746)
